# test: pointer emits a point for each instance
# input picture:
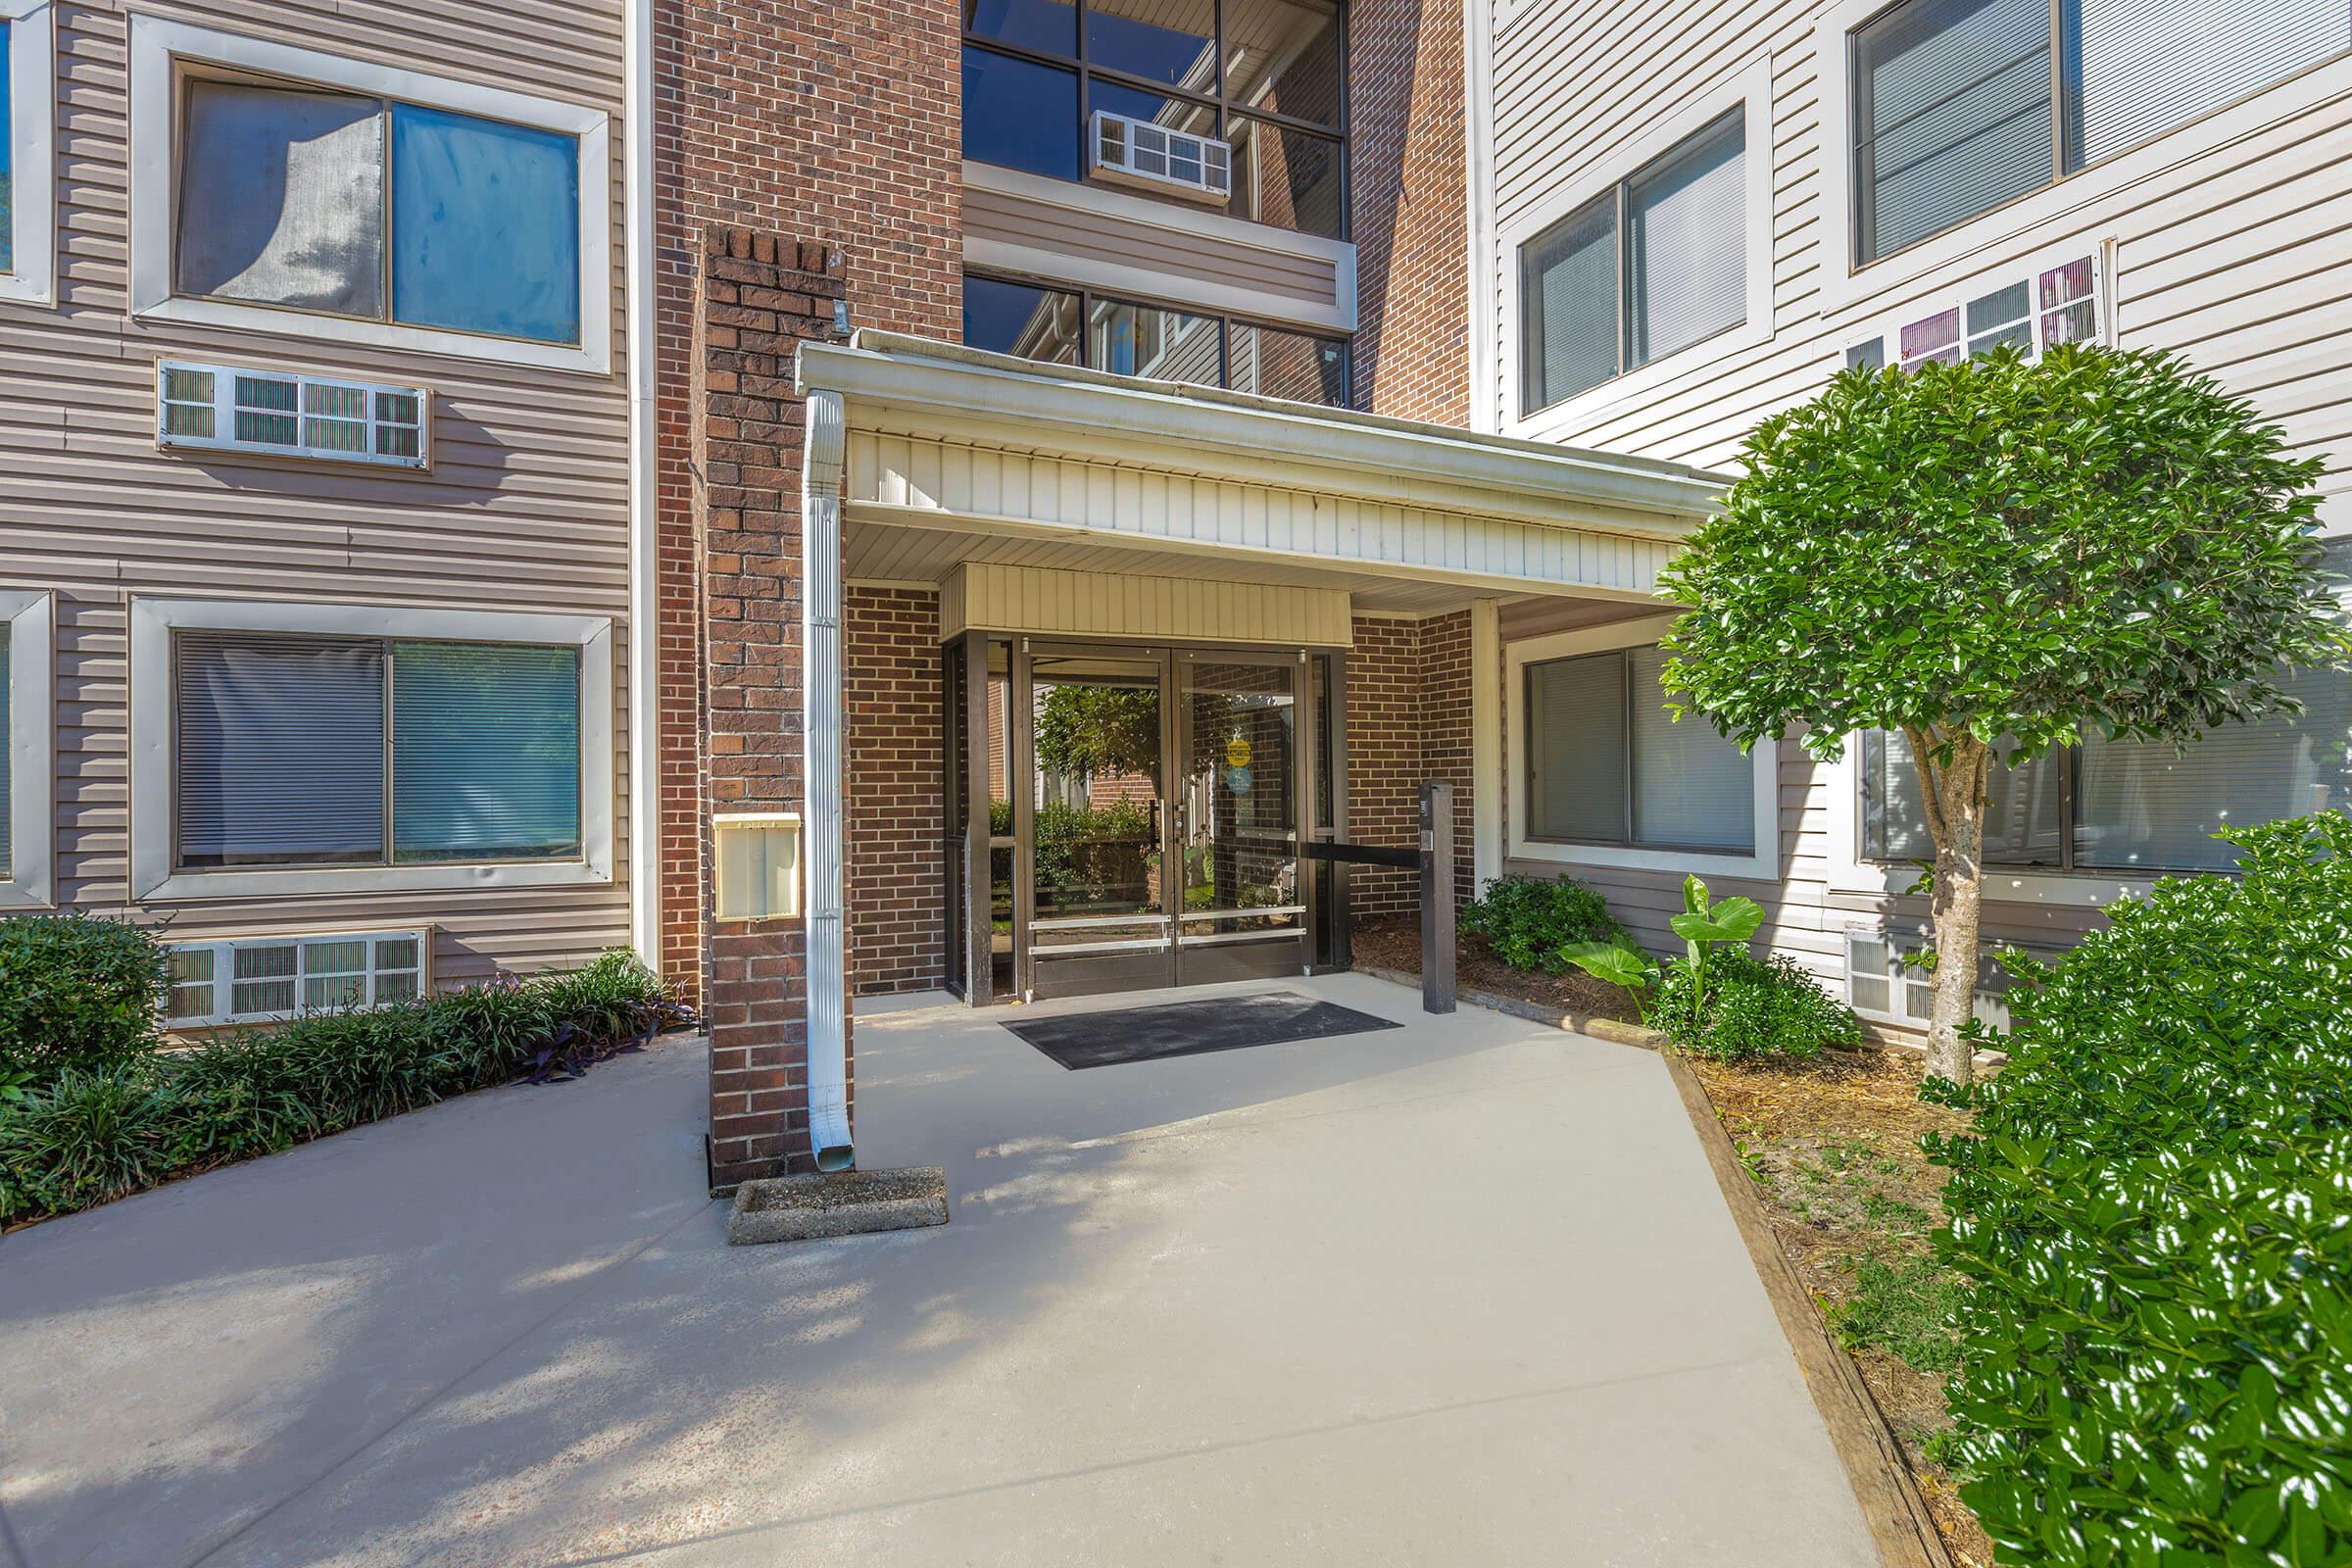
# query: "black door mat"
(1189, 1028)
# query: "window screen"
(485, 226)
(1569, 287)
(281, 750)
(282, 198)
(304, 750)
(1607, 765)
(486, 752)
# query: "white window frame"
(152, 624)
(32, 150)
(31, 741)
(160, 49)
(1849, 872)
(223, 951)
(1763, 861)
(1961, 250)
(1749, 87)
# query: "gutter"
(644, 664)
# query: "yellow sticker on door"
(1237, 752)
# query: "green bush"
(2153, 1212)
(1528, 920)
(1753, 1008)
(94, 1132)
(75, 991)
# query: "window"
(323, 747)
(2037, 310)
(1264, 76)
(2129, 807)
(303, 193)
(27, 115)
(320, 750)
(1072, 326)
(1605, 764)
(1649, 268)
(342, 205)
(25, 748)
(1962, 105)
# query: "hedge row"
(2153, 1215)
(80, 1127)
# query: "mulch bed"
(1833, 1147)
(1395, 944)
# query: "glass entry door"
(1092, 894)
(1243, 791)
(1158, 812)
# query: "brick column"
(1408, 720)
(757, 299)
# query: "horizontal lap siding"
(525, 507)
(2237, 256)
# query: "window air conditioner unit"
(218, 407)
(1136, 152)
(263, 979)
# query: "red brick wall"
(756, 301)
(1408, 720)
(833, 121)
(1413, 246)
(896, 867)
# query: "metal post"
(1436, 896)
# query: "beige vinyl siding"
(1104, 604)
(525, 507)
(2237, 256)
(1181, 259)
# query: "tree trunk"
(1956, 808)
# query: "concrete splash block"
(849, 1203)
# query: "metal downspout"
(821, 738)
(644, 667)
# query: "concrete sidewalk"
(1461, 1292)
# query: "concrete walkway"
(1463, 1291)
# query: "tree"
(1090, 731)
(2098, 542)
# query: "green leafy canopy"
(2098, 541)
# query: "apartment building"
(313, 489)
(1687, 216)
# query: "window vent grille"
(2037, 310)
(1136, 151)
(262, 979)
(1883, 980)
(221, 409)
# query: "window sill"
(2062, 890)
(1745, 863)
(298, 881)
(592, 360)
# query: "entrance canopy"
(953, 456)
(1195, 561)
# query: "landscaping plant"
(1531, 921)
(1740, 1007)
(2153, 1218)
(98, 1131)
(2000, 550)
(75, 991)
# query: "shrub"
(1528, 920)
(2153, 1212)
(98, 1133)
(1753, 1007)
(75, 991)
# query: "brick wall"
(896, 868)
(756, 302)
(1411, 214)
(1408, 720)
(834, 121)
